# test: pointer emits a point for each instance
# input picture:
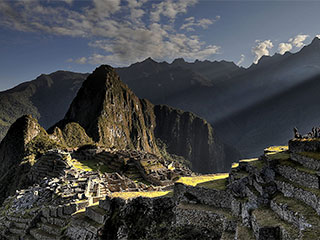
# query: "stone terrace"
(275, 196)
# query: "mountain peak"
(149, 60)
(178, 61)
(110, 113)
(315, 42)
(21, 132)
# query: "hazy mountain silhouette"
(47, 98)
(235, 100)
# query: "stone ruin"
(315, 133)
(275, 196)
(62, 188)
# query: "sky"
(43, 36)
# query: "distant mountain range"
(238, 102)
(249, 108)
(47, 98)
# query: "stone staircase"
(88, 224)
(280, 193)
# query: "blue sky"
(43, 36)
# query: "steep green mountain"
(110, 114)
(47, 98)
(25, 140)
(220, 92)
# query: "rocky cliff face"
(14, 145)
(191, 137)
(12, 153)
(112, 115)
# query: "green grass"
(296, 185)
(203, 207)
(90, 165)
(276, 149)
(240, 174)
(298, 166)
(74, 135)
(313, 155)
(259, 164)
(248, 160)
(304, 210)
(244, 233)
(196, 180)
(220, 184)
(4, 123)
(267, 218)
(42, 143)
(299, 207)
(151, 194)
(278, 155)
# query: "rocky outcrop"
(13, 149)
(111, 114)
(192, 137)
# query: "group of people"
(315, 133)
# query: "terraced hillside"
(275, 196)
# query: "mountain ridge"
(111, 114)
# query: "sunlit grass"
(276, 149)
(249, 160)
(81, 166)
(129, 195)
(89, 166)
(194, 181)
(235, 165)
(313, 155)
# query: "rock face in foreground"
(110, 114)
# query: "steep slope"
(112, 115)
(47, 98)
(272, 120)
(191, 137)
(241, 91)
(23, 139)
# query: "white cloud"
(261, 49)
(105, 8)
(117, 41)
(82, 60)
(190, 23)
(298, 41)
(170, 9)
(284, 47)
(241, 60)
